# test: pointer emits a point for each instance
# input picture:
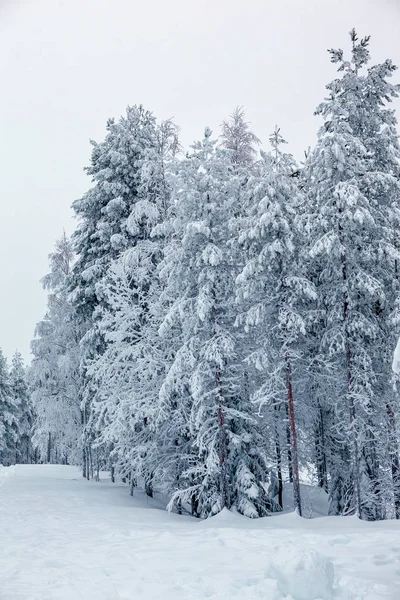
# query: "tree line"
(224, 318)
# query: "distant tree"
(25, 413)
(53, 376)
(237, 137)
(9, 409)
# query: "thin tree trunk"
(179, 507)
(393, 436)
(278, 462)
(395, 467)
(132, 483)
(222, 448)
(351, 404)
(194, 506)
(394, 457)
(97, 466)
(84, 462)
(49, 448)
(353, 430)
(292, 422)
(352, 408)
(91, 468)
(221, 425)
(321, 452)
(149, 485)
(288, 445)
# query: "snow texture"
(65, 538)
(396, 359)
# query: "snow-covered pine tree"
(25, 413)
(227, 463)
(240, 140)
(103, 234)
(274, 294)
(353, 192)
(130, 371)
(9, 409)
(53, 375)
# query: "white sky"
(68, 65)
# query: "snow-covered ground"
(63, 538)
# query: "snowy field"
(63, 538)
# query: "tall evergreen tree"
(273, 292)
(239, 139)
(228, 466)
(352, 191)
(9, 409)
(19, 387)
(129, 373)
(54, 379)
(106, 228)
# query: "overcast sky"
(68, 65)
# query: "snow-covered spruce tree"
(129, 373)
(173, 424)
(273, 295)
(53, 375)
(374, 122)
(9, 409)
(103, 234)
(353, 193)
(240, 140)
(25, 414)
(228, 467)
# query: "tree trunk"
(179, 507)
(49, 448)
(132, 483)
(292, 422)
(84, 463)
(395, 467)
(194, 506)
(321, 452)
(222, 456)
(288, 445)
(353, 432)
(91, 468)
(394, 456)
(350, 397)
(97, 466)
(149, 485)
(222, 450)
(278, 461)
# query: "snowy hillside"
(64, 538)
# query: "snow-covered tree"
(128, 374)
(227, 465)
(9, 408)
(239, 139)
(54, 373)
(25, 414)
(273, 293)
(351, 187)
(106, 229)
